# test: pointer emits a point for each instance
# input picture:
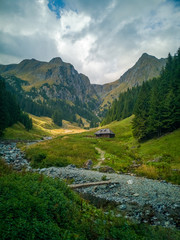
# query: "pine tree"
(4, 115)
(57, 117)
(154, 121)
(141, 113)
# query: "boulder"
(88, 164)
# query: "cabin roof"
(104, 131)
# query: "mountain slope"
(147, 67)
(54, 84)
(57, 80)
(65, 81)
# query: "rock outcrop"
(53, 80)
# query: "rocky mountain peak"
(146, 57)
(56, 60)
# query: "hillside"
(42, 127)
(62, 79)
(147, 67)
(156, 158)
(45, 87)
(10, 112)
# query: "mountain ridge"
(57, 79)
(53, 84)
(146, 68)
(55, 72)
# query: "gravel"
(137, 198)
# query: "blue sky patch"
(175, 2)
(55, 6)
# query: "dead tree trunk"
(83, 185)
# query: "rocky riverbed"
(140, 199)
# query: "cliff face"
(55, 79)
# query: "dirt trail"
(102, 157)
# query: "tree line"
(155, 104)
(10, 111)
(157, 109)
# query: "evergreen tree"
(4, 115)
(10, 111)
(164, 104)
(141, 112)
(57, 117)
(154, 119)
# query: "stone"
(167, 223)
(130, 182)
(122, 207)
(135, 194)
(88, 164)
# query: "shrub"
(104, 178)
(4, 168)
(148, 171)
(39, 157)
(33, 206)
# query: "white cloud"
(72, 22)
(102, 39)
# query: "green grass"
(121, 152)
(62, 151)
(42, 126)
(34, 206)
(18, 132)
(165, 145)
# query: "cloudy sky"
(101, 38)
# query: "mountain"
(56, 84)
(155, 104)
(48, 83)
(147, 67)
(56, 78)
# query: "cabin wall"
(105, 135)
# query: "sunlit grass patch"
(147, 171)
(18, 132)
(62, 151)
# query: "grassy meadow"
(156, 158)
(42, 126)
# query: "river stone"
(121, 207)
(135, 194)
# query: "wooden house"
(105, 133)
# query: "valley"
(136, 198)
(89, 120)
(140, 175)
(157, 158)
